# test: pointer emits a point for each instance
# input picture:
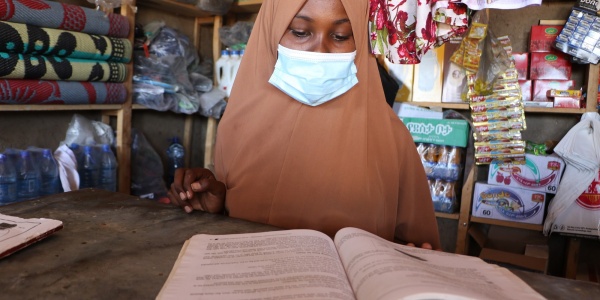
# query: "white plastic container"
(223, 71)
(236, 59)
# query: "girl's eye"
(341, 38)
(300, 33)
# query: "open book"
(17, 233)
(306, 264)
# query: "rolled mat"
(30, 39)
(15, 91)
(58, 15)
(25, 66)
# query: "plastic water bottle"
(28, 178)
(223, 71)
(49, 171)
(90, 175)
(108, 173)
(8, 180)
(175, 154)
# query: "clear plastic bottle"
(8, 180)
(28, 178)
(90, 175)
(108, 171)
(49, 172)
(223, 71)
(175, 155)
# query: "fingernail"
(196, 186)
(188, 209)
(189, 194)
(182, 196)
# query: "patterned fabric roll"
(61, 92)
(25, 66)
(30, 39)
(70, 17)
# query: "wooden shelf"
(246, 6)
(447, 216)
(527, 226)
(552, 110)
(174, 7)
(56, 107)
(448, 105)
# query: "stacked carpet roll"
(52, 53)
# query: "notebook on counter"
(17, 233)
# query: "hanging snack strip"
(494, 95)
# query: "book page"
(380, 269)
(17, 233)
(287, 264)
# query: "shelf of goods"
(201, 18)
(122, 112)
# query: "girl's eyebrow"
(336, 22)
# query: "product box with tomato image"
(508, 203)
(582, 217)
(539, 173)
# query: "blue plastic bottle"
(90, 171)
(28, 178)
(108, 173)
(8, 180)
(175, 154)
(49, 172)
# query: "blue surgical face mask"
(313, 78)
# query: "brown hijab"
(348, 162)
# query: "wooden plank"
(592, 88)
(175, 7)
(448, 105)
(573, 247)
(123, 138)
(246, 6)
(187, 139)
(446, 215)
(552, 110)
(527, 226)
(521, 260)
(470, 176)
(43, 107)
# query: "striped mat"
(30, 39)
(61, 92)
(65, 16)
(25, 66)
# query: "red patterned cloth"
(14, 91)
(58, 15)
(405, 30)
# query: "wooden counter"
(116, 246)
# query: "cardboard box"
(567, 102)
(550, 65)
(541, 88)
(406, 110)
(508, 203)
(547, 104)
(403, 75)
(451, 132)
(526, 89)
(428, 80)
(539, 173)
(455, 77)
(521, 60)
(542, 37)
(583, 216)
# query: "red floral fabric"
(404, 30)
